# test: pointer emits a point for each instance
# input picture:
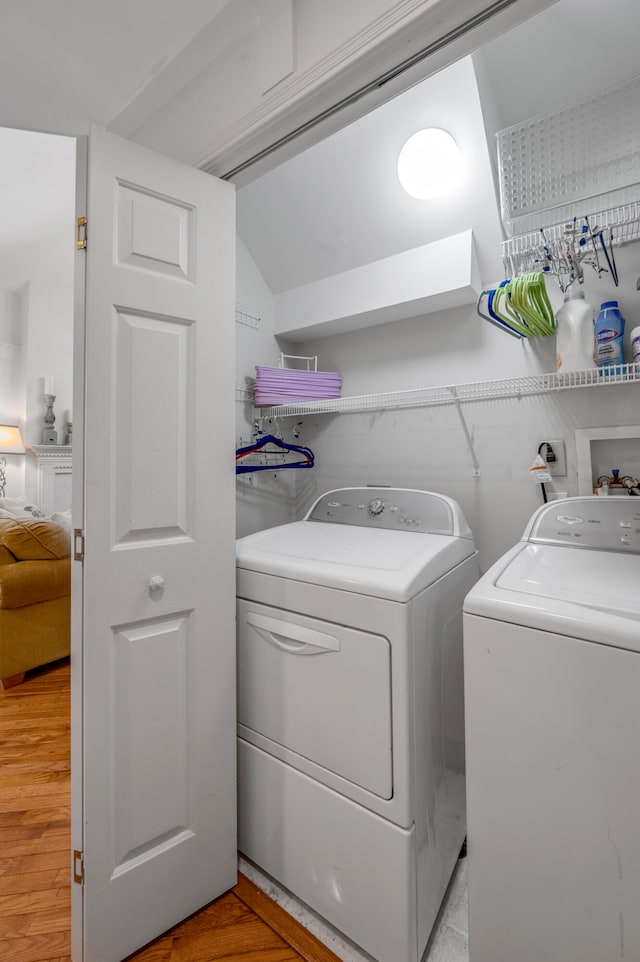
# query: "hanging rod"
(526, 385)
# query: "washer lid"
(570, 590)
(608, 582)
(393, 565)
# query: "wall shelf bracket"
(466, 432)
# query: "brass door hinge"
(78, 867)
(78, 544)
(81, 237)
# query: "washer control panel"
(397, 509)
(608, 524)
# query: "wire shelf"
(248, 318)
(456, 393)
(244, 394)
(526, 252)
(582, 150)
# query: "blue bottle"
(609, 333)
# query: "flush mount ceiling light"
(429, 164)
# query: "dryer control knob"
(376, 506)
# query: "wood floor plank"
(30, 903)
(35, 846)
(158, 951)
(36, 704)
(13, 927)
(33, 726)
(33, 882)
(29, 794)
(40, 862)
(42, 763)
(37, 748)
(196, 953)
(40, 948)
(309, 947)
(228, 910)
(238, 941)
(56, 920)
(52, 813)
(19, 831)
(38, 923)
(36, 781)
(30, 810)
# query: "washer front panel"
(605, 524)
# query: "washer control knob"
(376, 506)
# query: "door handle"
(156, 583)
(287, 636)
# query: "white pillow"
(63, 518)
(19, 508)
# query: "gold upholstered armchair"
(35, 594)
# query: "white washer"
(552, 698)
(350, 709)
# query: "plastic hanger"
(504, 307)
(492, 317)
(307, 456)
(530, 299)
(520, 306)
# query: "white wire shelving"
(578, 163)
(422, 397)
(248, 317)
(569, 155)
(529, 252)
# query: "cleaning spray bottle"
(609, 329)
(635, 348)
(575, 332)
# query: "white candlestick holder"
(49, 435)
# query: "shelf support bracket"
(466, 432)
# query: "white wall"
(37, 185)
(264, 498)
(40, 277)
(426, 448)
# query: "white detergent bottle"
(575, 334)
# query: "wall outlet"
(557, 468)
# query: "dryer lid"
(393, 565)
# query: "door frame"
(77, 522)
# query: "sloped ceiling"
(568, 51)
(67, 64)
(339, 205)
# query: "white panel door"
(158, 655)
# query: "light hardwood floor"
(241, 926)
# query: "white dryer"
(350, 709)
(552, 697)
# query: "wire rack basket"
(528, 252)
(583, 150)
